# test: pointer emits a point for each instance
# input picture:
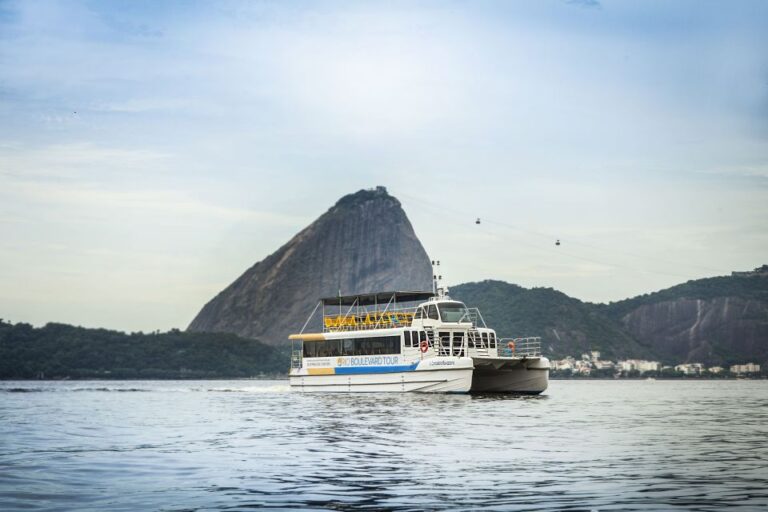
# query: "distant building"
(627, 366)
(640, 365)
(648, 366)
(603, 365)
(583, 367)
(716, 369)
(690, 368)
(745, 368)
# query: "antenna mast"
(436, 278)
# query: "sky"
(150, 152)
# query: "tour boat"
(410, 341)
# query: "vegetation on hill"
(746, 286)
(566, 325)
(59, 351)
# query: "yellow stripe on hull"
(321, 371)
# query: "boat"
(410, 341)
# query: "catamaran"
(410, 341)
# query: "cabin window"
(492, 336)
(334, 348)
(432, 313)
(353, 347)
(407, 338)
(453, 311)
(419, 313)
(485, 339)
(310, 349)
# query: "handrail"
(520, 347)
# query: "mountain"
(715, 321)
(363, 243)
(718, 320)
(566, 325)
(59, 351)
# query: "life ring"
(424, 346)
(511, 346)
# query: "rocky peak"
(364, 243)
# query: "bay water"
(240, 445)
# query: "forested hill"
(744, 285)
(716, 321)
(566, 325)
(59, 351)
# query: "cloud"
(586, 4)
(202, 126)
(78, 160)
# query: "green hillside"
(62, 351)
(746, 286)
(566, 325)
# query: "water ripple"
(239, 445)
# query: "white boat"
(410, 341)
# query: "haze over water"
(216, 445)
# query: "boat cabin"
(412, 324)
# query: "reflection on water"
(217, 445)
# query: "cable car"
(557, 242)
(477, 221)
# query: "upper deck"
(439, 321)
(390, 310)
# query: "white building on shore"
(745, 368)
(640, 365)
(690, 368)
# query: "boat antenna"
(435, 276)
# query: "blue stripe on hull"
(349, 370)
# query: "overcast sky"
(151, 151)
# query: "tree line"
(60, 351)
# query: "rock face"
(364, 243)
(713, 331)
(719, 320)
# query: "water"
(229, 445)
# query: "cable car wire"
(421, 203)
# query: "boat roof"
(369, 299)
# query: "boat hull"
(430, 379)
(505, 375)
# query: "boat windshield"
(452, 311)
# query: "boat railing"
(296, 356)
(520, 347)
(473, 315)
(366, 320)
(445, 344)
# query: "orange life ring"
(424, 346)
(511, 346)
